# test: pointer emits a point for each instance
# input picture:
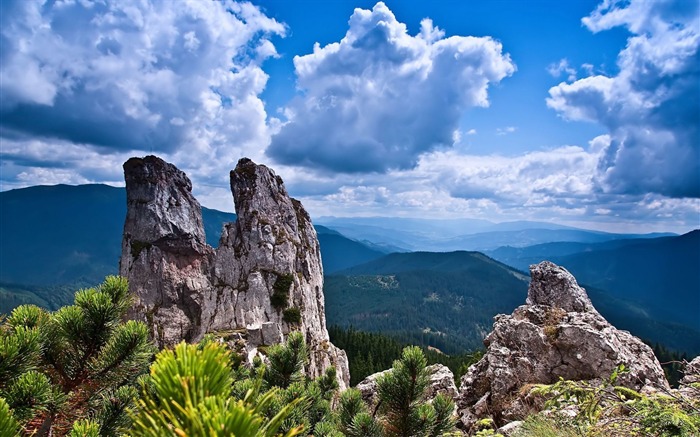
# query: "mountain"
(65, 234)
(448, 300)
(661, 274)
(60, 234)
(445, 300)
(398, 234)
(411, 234)
(522, 257)
(71, 235)
(339, 252)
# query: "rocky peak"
(553, 285)
(160, 207)
(558, 333)
(263, 281)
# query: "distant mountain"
(448, 300)
(662, 274)
(63, 234)
(60, 234)
(462, 234)
(69, 234)
(522, 257)
(339, 252)
(398, 234)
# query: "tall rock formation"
(263, 281)
(558, 333)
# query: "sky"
(584, 113)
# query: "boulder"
(557, 334)
(267, 262)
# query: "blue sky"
(584, 113)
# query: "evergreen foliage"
(671, 361)
(280, 291)
(610, 410)
(402, 409)
(370, 353)
(79, 362)
(189, 394)
(292, 315)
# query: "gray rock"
(442, 381)
(368, 388)
(183, 288)
(271, 333)
(555, 286)
(510, 428)
(255, 335)
(690, 383)
(691, 372)
(557, 334)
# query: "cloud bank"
(380, 97)
(652, 106)
(117, 77)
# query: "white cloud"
(177, 78)
(556, 70)
(506, 130)
(380, 97)
(471, 132)
(556, 184)
(652, 106)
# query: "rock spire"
(263, 281)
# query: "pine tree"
(189, 394)
(79, 362)
(402, 407)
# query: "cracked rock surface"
(268, 262)
(558, 333)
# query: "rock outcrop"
(263, 281)
(558, 333)
(690, 383)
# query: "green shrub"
(292, 315)
(402, 408)
(79, 362)
(606, 409)
(280, 291)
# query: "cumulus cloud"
(380, 97)
(540, 185)
(132, 75)
(652, 106)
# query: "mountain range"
(661, 274)
(447, 300)
(435, 235)
(56, 239)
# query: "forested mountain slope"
(448, 300)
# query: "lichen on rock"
(184, 289)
